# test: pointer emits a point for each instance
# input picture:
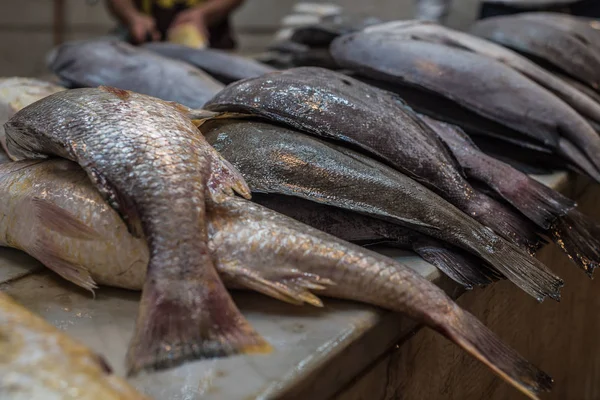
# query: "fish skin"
(35, 356)
(103, 62)
(148, 160)
(549, 41)
(221, 65)
(435, 33)
(283, 267)
(481, 84)
(278, 160)
(334, 106)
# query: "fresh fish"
(483, 85)
(334, 106)
(16, 93)
(253, 248)
(278, 160)
(323, 33)
(148, 160)
(434, 33)
(223, 66)
(549, 42)
(39, 362)
(574, 233)
(118, 64)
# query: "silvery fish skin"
(253, 248)
(334, 106)
(16, 93)
(431, 32)
(223, 66)
(483, 85)
(39, 362)
(550, 42)
(148, 160)
(114, 63)
(278, 160)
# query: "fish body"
(257, 248)
(223, 66)
(148, 160)
(39, 362)
(118, 64)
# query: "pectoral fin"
(61, 221)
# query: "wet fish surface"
(114, 63)
(273, 159)
(223, 66)
(280, 268)
(39, 362)
(148, 160)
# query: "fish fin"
(200, 116)
(122, 204)
(579, 238)
(224, 179)
(570, 152)
(201, 322)
(61, 221)
(475, 338)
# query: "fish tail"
(579, 238)
(470, 334)
(225, 179)
(574, 155)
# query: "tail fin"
(574, 155)
(579, 238)
(474, 337)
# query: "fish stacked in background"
(252, 247)
(39, 362)
(147, 159)
(118, 64)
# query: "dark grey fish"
(118, 64)
(223, 66)
(324, 32)
(483, 85)
(551, 42)
(274, 159)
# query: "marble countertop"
(316, 351)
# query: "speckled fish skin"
(148, 160)
(334, 106)
(114, 63)
(431, 32)
(39, 362)
(223, 66)
(281, 268)
(481, 84)
(550, 41)
(274, 159)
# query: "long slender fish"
(148, 160)
(253, 248)
(114, 63)
(278, 160)
(481, 84)
(39, 362)
(334, 106)
(431, 32)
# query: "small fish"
(149, 162)
(253, 248)
(114, 63)
(39, 362)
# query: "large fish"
(39, 362)
(223, 66)
(431, 32)
(483, 85)
(334, 106)
(114, 63)
(278, 160)
(253, 248)
(548, 41)
(148, 160)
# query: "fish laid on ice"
(114, 63)
(39, 362)
(148, 160)
(253, 248)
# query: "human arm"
(138, 24)
(432, 10)
(207, 14)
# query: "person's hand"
(193, 16)
(141, 27)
